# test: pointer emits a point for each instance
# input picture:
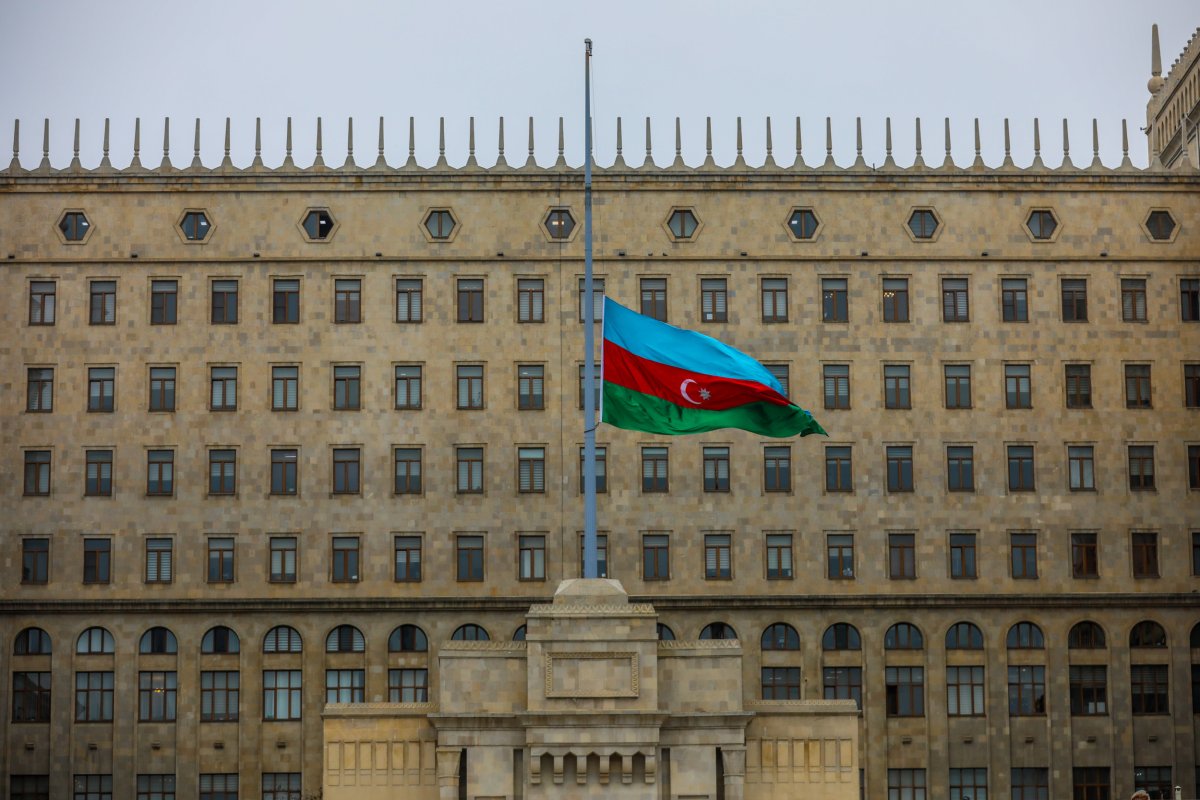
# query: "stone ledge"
(697, 644)
(598, 610)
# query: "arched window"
(841, 636)
(408, 639)
(158, 640)
(519, 634)
(964, 636)
(345, 639)
(780, 636)
(282, 639)
(1025, 636)
(220, 640)
(1195, 642)
(470, 633)
(718, 630)
(32, 642)
(95, 640)
(1086, 635)
(903, 636)
(665, 634)
(1147, 633)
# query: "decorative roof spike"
(500, 160)
(470, 142)
(1156, 80)
(649, 154)
(978, 162)
(1037, 144)
(678, 145)
(858, 156)
(619, 161)
(412, 143)
(319, 161)
(1096, 144)
(949, 161)
(1125, 144)
(739, 158)
(530, 162)
(561, 161)
(287, 146)
(829, 162)
(441, 162)
(226, 162)
(15, 164)
(196, 162)
(799, 162)
(45, 163)
(104, 162)
(257, 162)
(349, 144)
(1066, 162)
(708, 139)
(75, 158)
(887, 137)
(137, 143)
(769, 160)
(380, 161)
(1007, 144)
(918, 161)
(166, 159)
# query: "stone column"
(447, 772)
(734, 763)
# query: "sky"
(242, 59)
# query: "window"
(1026, 691)
(408, 299)
(716, 469)
(160, 472)
(224, 388)
(531, 387)
(682, 224)
(345, 685)
(837, 385)
(1023, 550)
(470, 470)
(158, 641)
(408, 639)
(1085, 556)
(963, 556)
(156, 696)
(470, 299)
(220, 559)
(781, 683)
(1160, 224)
(37, 473)
(42, 301)
(717, 557)
(1025, 636)
(1017, 390)
(1155, 781)
(958, 385)
(654, 469)
(955, 304)
(285, 388)
(897, 386)
(899, 468)
(964, 691)
(902, 556)
(219, 696)
(1189, 301)
(222, 472)
(779, 556)
(530, 300)
(922, 223)
(347, 388)
(841, 636)
(282, 639)
(839, 548)
(103, 308)
(35, 561)
(777, 469)
(843, 683)
(905, 692)
(1079, 385)
(532, 558)
(31, 697)
(1196, 553)
(346, 470)
(1014, 299)
(601, 555)
(218, 786)
(285, 301)
(906, 784)
(159, 558)
(1089, 690)
(895, 300)
(1081, 468)
(597, 298)
(220, 639)
(1191, 385)
(1090, 783)
(1020, 468)
(40, 390)
(654, 298)
(408, 470)
(345, 559)
(283, 471)
(718, 630)
(93, 696)
(656, 556)
(347, 300)
(1074, 300)
(281, 695)
(960, 468)
(470, 557)
(164, 302)
(968, 784)
(407, 559)
(93, 787)
(774, 299)
(470, 386)
(93, 641)
(97, 560)
(1193, 462)
(903, 636)
(408, 685)
(1144, 552)
(1030, 783)
(1148, 686)
(195, 226)
(470, 633)
(601, 469)
(834, 300)
(1141, 468)
(224, 302)
(98, 475)
(665, 634)
(713, 297)
(964, 636)
(29, 787)
(780, 373)
(1137, 386)
(531, 469)
(1133, 299)
(408, 386)
(101, 388)
(162, 388)
(440, 223)
(282, 564)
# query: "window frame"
(469, 303)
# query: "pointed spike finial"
(500, 143)
(678, 141)
(441, 138)
(104, 162)
(412, 140)
(227, 137)
(978, 147)
(1037, 139)
(918, 139)
(739, 137)
(16, 161)
(562, 141)
(45, 144)
(471, 140)
(1125, 139)
(287, 147)
(887, 139)
(381, 140)
(166, 159)
(619, 141)
(1156, 80)
(1095, 141)
(320, 139)
(75, 157)
(649, 153)
(196, 146)
(708, 137)
(770, 148)
(1066, 142)
(257, 142)
(858, 137)
(1007, 142)
(530, 161)
(349, 139)
(799, 144)
(949, 157)
(828, 139)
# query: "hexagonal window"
(440, 223)
(195, 226)
(74, 226)
(317, 224)
(682, 224)
(923, 223)
(560, 223)
(803, 223)
(1041, 224)
(1161, 225)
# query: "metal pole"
(590, 560)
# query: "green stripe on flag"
(633, 410)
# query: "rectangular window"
(220, 559)
(839, 473)
(346, 470)
(902, 556)
(906, 784)
(347, 388)
(470, 299)
(103, 308)
(1014, 299)
(1090, 783)
(1026, 691)
(1148, 685)
(964, 691)
(1189, 300)
(39, 396)
(713, 306)
(1133, 299)
(601, 469)
(224, 302)
(531, 384)
(899, 468)
(601, 555)
(1196, 553)
(1137, 386)
(92, 787)
(531, 469)
(408, 386)
(35, 560)
(345, 685)
(219, 695)
(654, 469)
(843, 683)
(895, 300)
(31, 697)
(1018, 391)
(156, 696)
(282, 566)
(347, 300)
(654, 298)
(716, 469)
(968, 784)
(470, 386)
(470, 470)
(1020, 468)
(469, 553)
(223, 394)
(963, 556)
(532, 558)
(1144, 550)
(97, 560)
(408, 470)
(905, 690)
(897, 386)
(1074, 300)
(222, 472)
(1193, 466)
(837, 385)
(717, 557)
(159, 560)
(834, 300)
(1081, 468)
(1191, 385)
(285, 388)
(164, 302)
(597, 298)
(162, 388)
(155, 787)
(777, 469)
(160, 472)
(779, 556)
(281, 785)
(774, 300)
(285, 301)
(1156, 781)
(408, 686)
(1085, 555)
(781, 683)
(37, 473)
(409, 299)
(960, 468)
(958, 385)
(1079, 385)
(218, 786)
(98, 475)
(1141, 468)
(93, 696)
(596, 384)
(1089, 690)
(1030, 783)
(656, 556)
(530, 295)
(780, 373)
(101, 388)
(281, 695)
(283, 471)
(408, 559)
(839, 548)
(955, 305)
(1023, 551)
(29, 787)
(42, 301)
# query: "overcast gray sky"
(243, 59)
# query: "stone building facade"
(291, 461)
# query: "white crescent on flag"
(683, 387)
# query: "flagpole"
(590, 560)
